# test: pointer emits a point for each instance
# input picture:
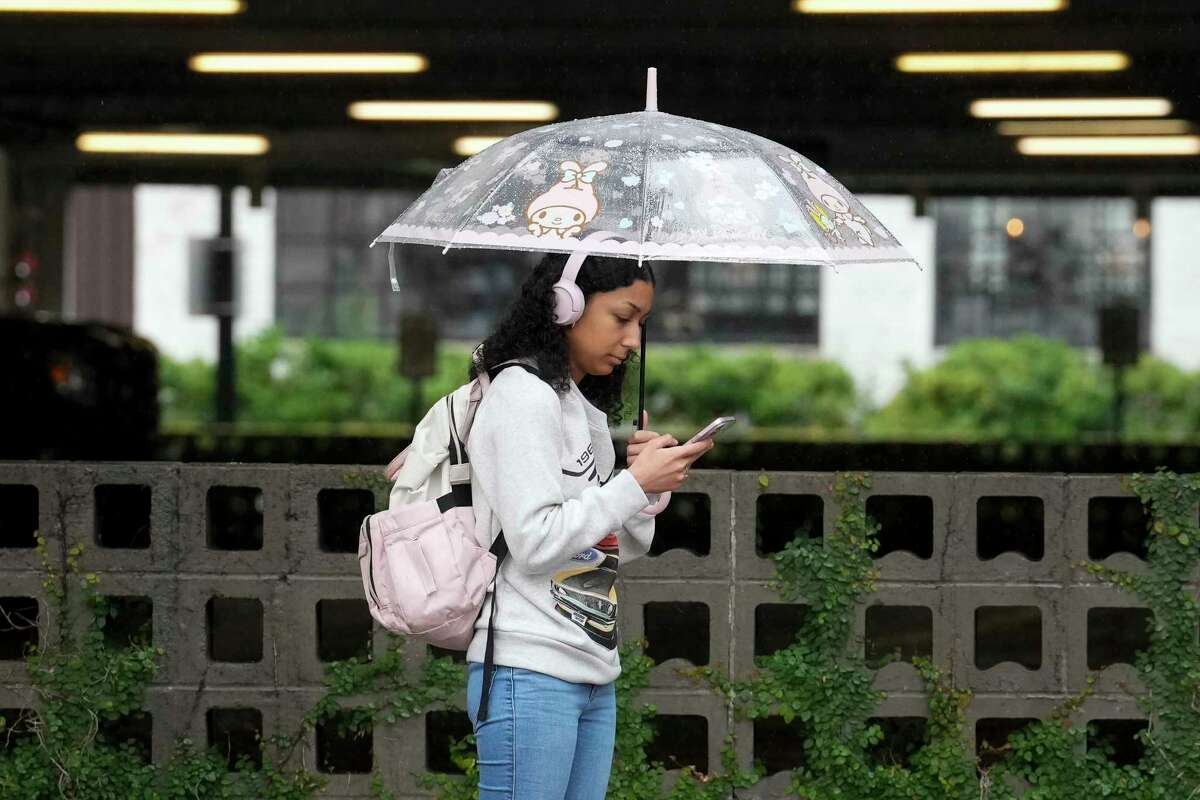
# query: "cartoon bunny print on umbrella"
(568, 205)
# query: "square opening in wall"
(1114, 635)
(344, 629)
(991, 734)
(1119, 739)
(18, 515)
(776, 626)
(1117, 525)
(340, 749)
(898, 631)
(778, 744)
(442, 728)
(905, 523)
(340, 514)
(1008, 633)
(235, 518)
(20, 724)
(18, 627)
(902, 736)
(676, 630)
(235, 734)
(457, 656)
(123, 516)
(132, 731)
(129, 621)
(780, 518)
(235, 629)
(680, 740)
(1010, 525)
(686, 524)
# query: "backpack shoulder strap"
(479, 388)
(496, 370)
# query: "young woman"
(542, 465)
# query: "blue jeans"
(544, 738)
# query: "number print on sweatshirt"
(586, 462)
(585, 592)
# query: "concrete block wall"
(254, 587)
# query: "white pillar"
(165, 219)
(876, 317)
(1175, 282)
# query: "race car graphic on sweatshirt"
(585, 592)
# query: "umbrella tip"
(652, 89)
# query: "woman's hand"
(638, 439)
(663, 467)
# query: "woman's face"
(609, 330)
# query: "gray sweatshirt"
(542, 470)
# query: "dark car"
(76, 391)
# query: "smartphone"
(712, 429)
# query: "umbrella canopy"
(670, 187)
(663, 187)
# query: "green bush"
(311, 380)
(291, 381)
(1026, 388)
(691, 385)
(1162, 401)
(1029, 388)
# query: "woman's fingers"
(691, 452)
(638, 437)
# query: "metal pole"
(642, 377)
(1118, 401)
(226, 393)
(414, 410)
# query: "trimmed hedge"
(1027, 389)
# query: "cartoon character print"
(585, 592)
(829, 209)
(820, 215)
(564, 208)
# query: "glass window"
(1007, 266)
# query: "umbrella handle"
(642, 379)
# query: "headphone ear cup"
(568, 303)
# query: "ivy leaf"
(764, 481)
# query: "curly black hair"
(528, 328)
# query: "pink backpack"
(424, 573)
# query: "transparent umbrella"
(664, 187)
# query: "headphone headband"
(576, 259)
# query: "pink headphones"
(568, 297)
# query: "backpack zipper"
(371, 563)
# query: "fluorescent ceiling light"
(213, 144)
(925, 6)
(1109, 145)
(308, 62)
(444, 110)
(470, 145)
(1072, 107)
(123, 6)
(1095, 61)
(1096, 127)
